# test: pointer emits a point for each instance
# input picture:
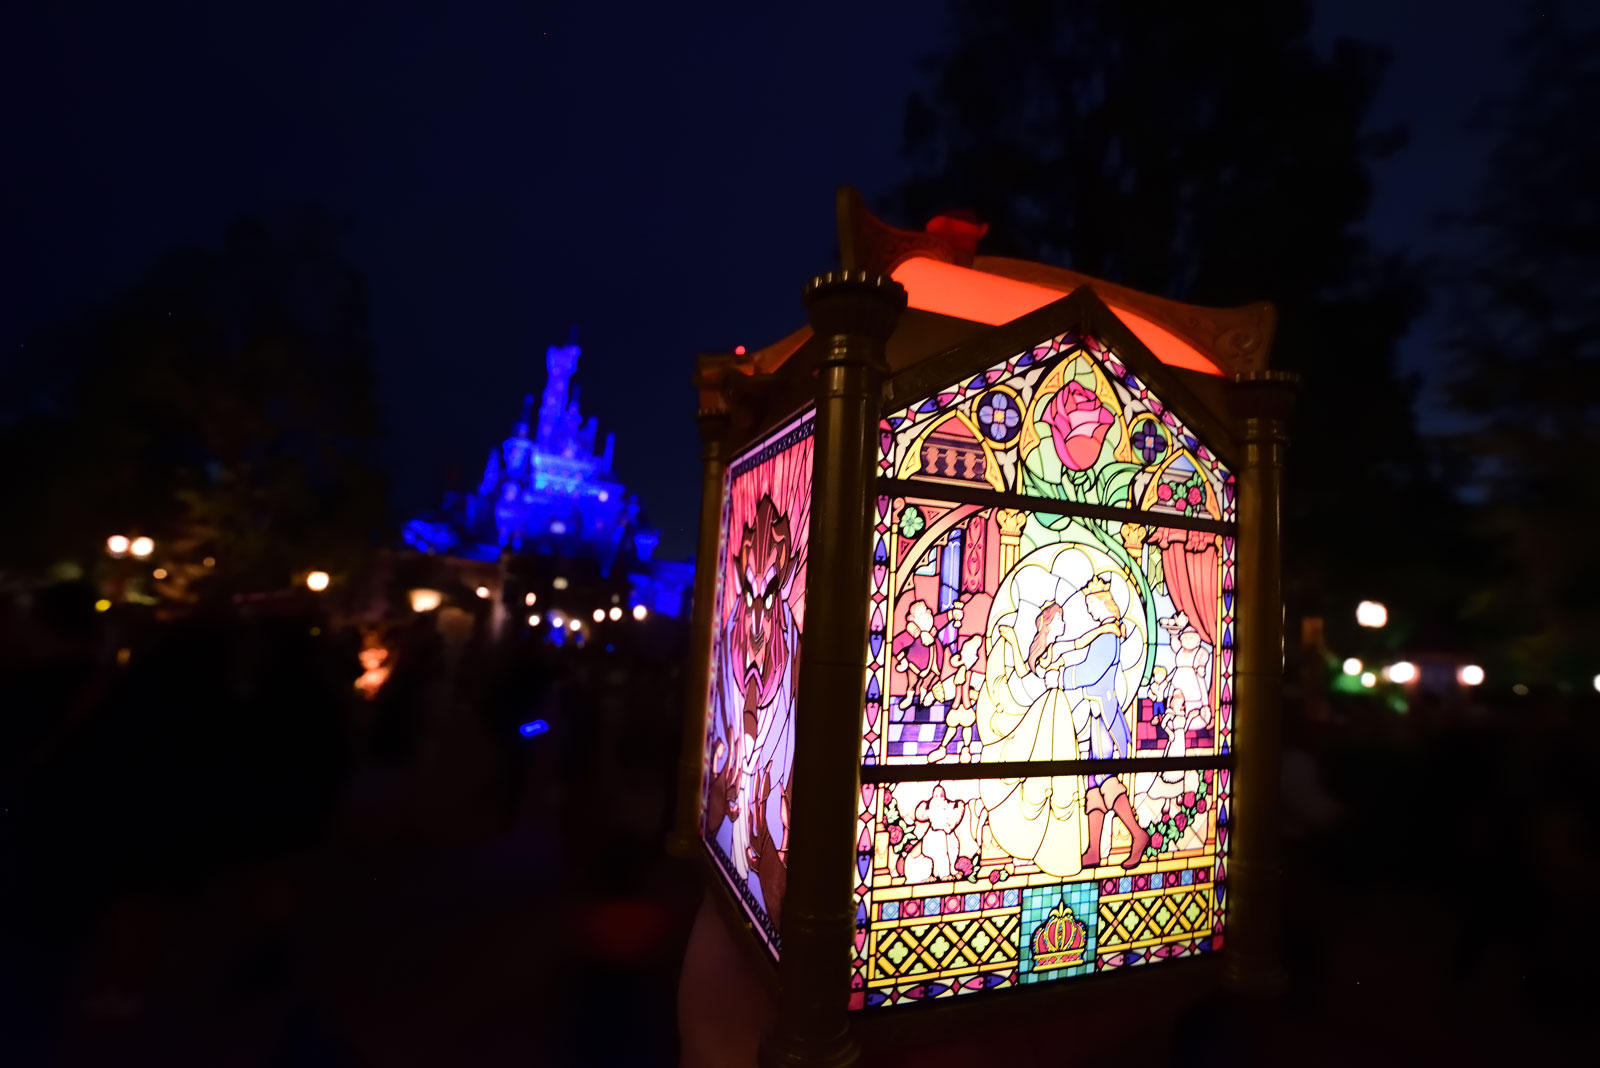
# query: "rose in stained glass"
(1078, 423)
(999, 416)
(912, 522)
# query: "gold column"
(1011, 523)
(1263, 400)
(852, 314)
(713, 420)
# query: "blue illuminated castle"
(550, 491)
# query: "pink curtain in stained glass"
(1189, 561)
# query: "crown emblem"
(1060, 941)
(1099, 584)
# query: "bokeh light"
(1371, 614)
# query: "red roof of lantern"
(944, 276)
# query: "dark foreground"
(237, 865)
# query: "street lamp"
(142, 547)
(1368, 679)
(117, 544)
(528, 599)
(1352, 666)
(615, 613)
(574, 625)
(1402, 671)
(482, 592)
(599, 615)
(1470, 675)
(640, 611)
(426, 600)
(317, 581)
(1371, 614)
(533, 619)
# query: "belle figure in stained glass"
(1038, 818)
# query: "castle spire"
(560, 362)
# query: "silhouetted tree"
(1211, 154)
(223, 405)
(1528, 350)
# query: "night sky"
(661, 176)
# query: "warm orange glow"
(965, 293)
(374, 669)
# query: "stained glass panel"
(1066, 421)
(967, 885)
(1048, 637)
(760, 599)
(1053, 580)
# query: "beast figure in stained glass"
(762, 663)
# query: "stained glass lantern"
(987, 640)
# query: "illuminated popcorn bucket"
(987, 641)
